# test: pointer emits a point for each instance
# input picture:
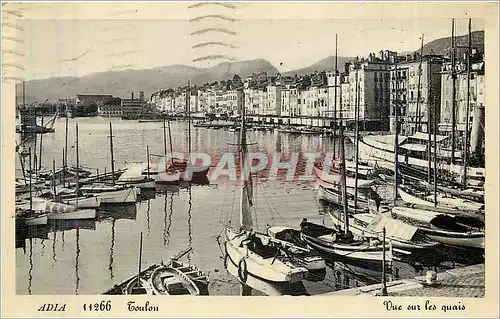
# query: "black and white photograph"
(230, 149)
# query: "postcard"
(250, 159)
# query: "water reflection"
(30, 271)
(77, 277)
(190, 236)
(148, 218)
(112, 249)
(54, 249)
(165, 231)
(125, 211)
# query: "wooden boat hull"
(127, 195)
(454, 234)
(188, 287)
(336, 199)
(83, 202)
(325, 242)
(380, 148)
(143, 288)
(335, 180)
(397, 244)
(77, 214)
(250, 263)
(36, 220)
(450, 203)
(314, 263)
(466, 240)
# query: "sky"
(75, 39)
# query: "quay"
(459, 282)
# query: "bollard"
(431, 277)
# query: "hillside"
(442, 46)
(327, 64)
(121, 83)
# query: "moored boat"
(334, 197)
(36, 219)
(381, 147)
(339, 246)
(168, 280)
(74, 215)
(404, 238)
(111, 194)
(444, 228)
(83, 201)
(334, 180)
(413, 196)
(297, 249)
(252, 253)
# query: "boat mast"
(418, 121)
(453, 92)
(147, 151)
(188, 98)
(77, 168)
(65, 155)
(435, 152)
(246, 182)
(170, 141)
(31, 195)
(335, 101)
(467, 109)
(112, 155)
(396, 137)
(165, 136)
(41, 146)
(54, 177)
(356, 137)
(140, 262)
(342, 172)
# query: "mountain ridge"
(122, 82)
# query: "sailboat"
(59, 211)
(342, 245)
(32, 211)
(111, 194)
(249, 252)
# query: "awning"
(425, 137)
(425, 216)
(394, 228)
(414, 147)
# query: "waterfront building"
(133, 108)
(273, 100)
(477, 99)
(252, 99)
(289, 101)
(373, 90)
(413, 114)
(96, 98)
(110, 110)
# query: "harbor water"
(91, 257)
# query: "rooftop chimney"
(132, 95)
(141, 95)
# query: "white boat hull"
(128, 195)
(84, 202)
(382, 148)
(37, 221)
(77, 214)
(269, 269)
(334, 180)
(355, 255)
(450, 203)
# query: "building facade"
(133, 108)
(416, 88)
